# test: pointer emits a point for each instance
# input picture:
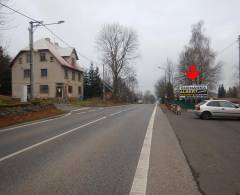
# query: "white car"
(217, 108)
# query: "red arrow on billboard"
(192, 73)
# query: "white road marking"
(49, 139)
(42, 121)
(80, 109)
(91, 110)
(139, 185)
(115, 113)
(81, 112)
(34, 123)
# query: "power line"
(227, 47)
(53, 33)
(26, 16)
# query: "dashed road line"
(34, 123)
(91, 110)
(79, 109)
(116, 113)
(42, 121)
(139, 185)
(49, 139)
(81, 112)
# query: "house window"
(73, 75)
(51, 59)
(44, 89)
(43, 57)
(28, 58)
(65, 73)
(26, 73)
(69, 89)
(79, 90)
(79, 76)
(20, 60)
(44, 72)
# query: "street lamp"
(35, 24)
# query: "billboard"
(193, 91)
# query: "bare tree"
(160, 88)
(170, 72)
(199, 53)
(118, 45)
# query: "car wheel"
(206, 115)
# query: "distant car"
(140, 102)
(217, 108)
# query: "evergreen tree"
(232, 92)
(92, 83)
(221, 91)
(86, 85)
(96, 83)
(5, 73)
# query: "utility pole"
(239, 66)
(31, 58)
(104, 83)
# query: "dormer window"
(43, 57)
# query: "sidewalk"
(169, 173)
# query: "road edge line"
(139, 185)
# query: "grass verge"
(30, 116)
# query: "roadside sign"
(193, 91)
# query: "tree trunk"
(115, 87)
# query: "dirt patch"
(30, 116)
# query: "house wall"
(55, 75)
(74, 83)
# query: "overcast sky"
(163, 26)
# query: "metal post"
(103, 83)
(31, 58)
(239, 66)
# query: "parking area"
(212, 149)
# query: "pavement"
(212, 149)
(106, 151)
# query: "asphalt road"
(126, 150)
(212, 149)
(92, 151)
